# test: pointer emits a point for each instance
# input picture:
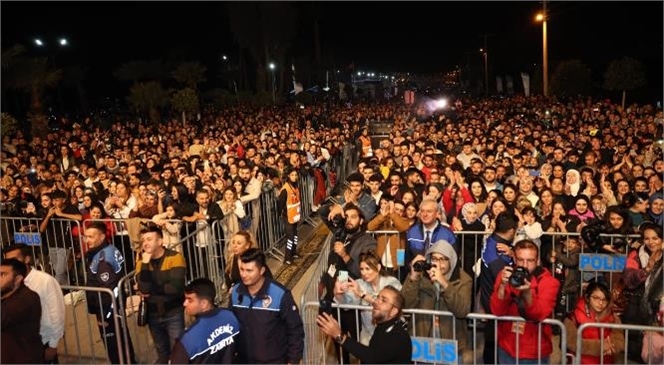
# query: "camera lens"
(420, 266)
(518, 277)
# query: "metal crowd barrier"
(57, 251)
(144, 350)
(316, 342)
(83, 343)
(626, 328)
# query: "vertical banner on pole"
(499, 84)
(510, 84)
(525, 78)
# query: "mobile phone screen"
(343, 276)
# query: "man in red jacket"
(529, 291)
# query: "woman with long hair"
(479, 194)
(642, 279)
(239, 243)
(119, 206)
(600, 346)
(233, 211)
(364, 290)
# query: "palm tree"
(148, 97)
(190, 74)
(34, 75)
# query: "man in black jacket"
(104, 270)
(390, 343)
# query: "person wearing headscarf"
(572, 182)
(655, 212)
(582, 209)
(443, 287)
(471, 243)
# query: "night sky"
(377, 36)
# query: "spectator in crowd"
(389, 219)
(161, 273)
(636, 205)
(655, 212)
(233, 211)
(528, 227)
(238, 244)
(104, 264)
(251, 194)
(170, 226)
(428, 230)
(471, 243)
(288, 203)
(599, 345)
(390, 344)
(51, 327)
(118, 206)
(58, 234)
(21, 315)
(443, 287)
(532, 297)
(271, 327)
(564, 259)
(364, 290)
(355, 194)
(641, 265)
(211, 338)
(496, 254)
(202, 244)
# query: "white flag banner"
(510, 84)
(525, 78)
(499, 84)
(298, 88)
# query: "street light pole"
(274, 98)
(545, 51)
(486, 71)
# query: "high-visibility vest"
(366, 146)
(292, 203)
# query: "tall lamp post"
(542, 17)
(274, 98)
(486, 71)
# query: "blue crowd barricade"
(84, 341)
(648, 344)
(58, 250)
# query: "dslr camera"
(518, 277)
(420, 266)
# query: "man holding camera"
(529, 291)
(438, 283)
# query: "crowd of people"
(477, 190)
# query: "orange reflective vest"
(366, 146)
(292, 203)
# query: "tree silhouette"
(190, 74)
(33, 75)
(148, 97)
(624, 74)
(571, 78)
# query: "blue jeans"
(58, 257)
(165, 330)
(505, 358)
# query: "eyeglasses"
(599, 299)
(381, 299)
(440, 259)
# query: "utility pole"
(545, 52)
(485, 52)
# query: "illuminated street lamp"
(542, 17)
(63, 41)
(274, 98)
(38, 42)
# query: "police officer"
(104, 270)
(211, 338)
